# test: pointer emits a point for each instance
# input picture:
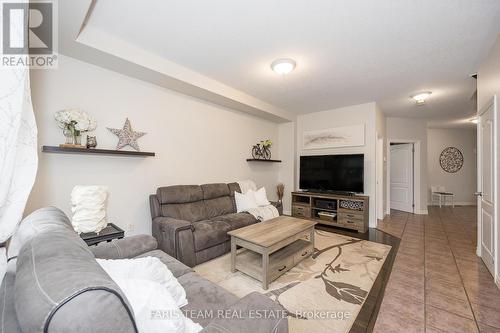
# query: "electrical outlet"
(131, 227)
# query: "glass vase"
(77, 139)
(69, 136)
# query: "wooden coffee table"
(271, 248)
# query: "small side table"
(443, 196)
(106, 235)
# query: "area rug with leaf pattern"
(324, 293)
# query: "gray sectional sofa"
(191, 222)
(55, 284)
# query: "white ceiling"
(347, 51)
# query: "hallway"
(438, 284)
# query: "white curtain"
(18, 149)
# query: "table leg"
(311, 237)
(265, 270)
(233, 255)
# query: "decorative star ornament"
(127, 136)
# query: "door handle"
(478, 194)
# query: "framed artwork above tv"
(345, 136)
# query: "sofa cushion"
(178, 194)
(237, 220)
(8, 316)
(212, 191)
(210, 233)
(213, 298)
(233, 187)
(192, 211)
(176, 267)
(217, 200)
(57, 276)
(219, 206)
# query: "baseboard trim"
(461, 203)
(421, 212)
(497, 281)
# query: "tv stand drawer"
(301, 211)
(350, 216)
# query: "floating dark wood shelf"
(61, 150)
(262, 160)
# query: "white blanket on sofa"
(246, 185)
(261, 213)
(264, 213)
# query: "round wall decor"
(451, 159)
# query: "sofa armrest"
(128, 247)
(278, 205)
(175, 237)
(172, 225)
(256, 313)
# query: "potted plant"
(262, 149)
(280, 191)
(74, 122)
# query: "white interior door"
(486, 199)
(402, 177)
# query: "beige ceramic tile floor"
(438, 284)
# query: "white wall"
(488, 77)
(380, 128)
(195, 142)
(287, 153)
(462, 183)
(408, 129)
(351, 115)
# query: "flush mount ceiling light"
(421, 97)
(283, 66)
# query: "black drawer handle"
(349, 221)
(281, 269)
(303, 254)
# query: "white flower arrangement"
(75, 120)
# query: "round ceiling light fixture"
(421, 97)
(283, 66)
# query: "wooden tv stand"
(346, 211)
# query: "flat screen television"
(336, 173)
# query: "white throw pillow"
(148, 268)
(88, 204)
(244, 202)
(154, 309)
(261, 197)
